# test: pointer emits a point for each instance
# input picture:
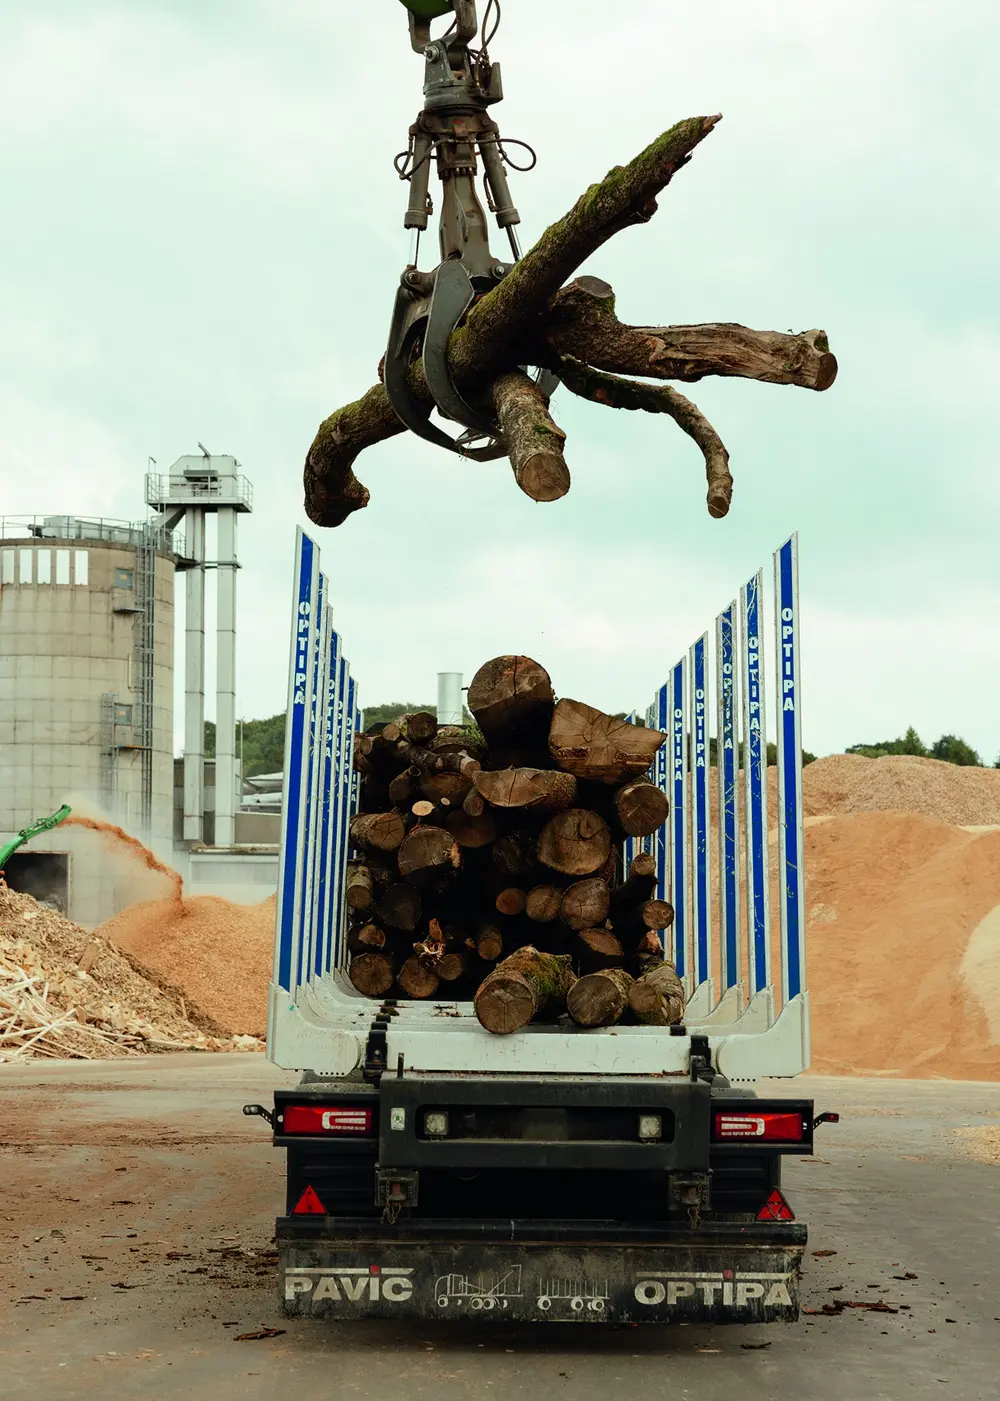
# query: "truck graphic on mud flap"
(482, 1291)
(578, 1295)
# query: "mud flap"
(694, 1282)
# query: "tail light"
(765, 1127)
(321, 1120)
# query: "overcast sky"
(201, 239)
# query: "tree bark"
(405, 785)
(428, 848)
(586, 742)
(585, 904)
(515, 854)
(360, 888)
(534, 443)
(641, 807)
(528, 986)
(542, 903)
(511, 698)
(453, 786)
(371, 974)
(581, 322)
(576, 842)
(638, 888)
(599, 999)
(474, 803)
(378, 831)
(657, 998)
(535, 790)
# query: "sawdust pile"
(67, 993)
(904, 942)
(842, 783)
(219, 952)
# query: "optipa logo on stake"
(350, 1283)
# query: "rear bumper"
(515, 1272)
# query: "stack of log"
(487, 860)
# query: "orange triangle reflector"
(776, 1209)
(309, 1205)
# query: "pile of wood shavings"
(68, 994)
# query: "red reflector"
(776, 1209)
(308, 1205)
(771, 1128)
(322, 1118)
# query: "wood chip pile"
(65, 993)
(487, 860)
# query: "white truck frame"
(317, 1021)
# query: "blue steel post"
(790, 833)
(328, 814)
(343, 782)
(755, 780)
(678, 818)
(313, 766)
(289, 902)
(726, 767)
(658, 718)
(701, 908)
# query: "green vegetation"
(948, 748)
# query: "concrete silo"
(86, 692)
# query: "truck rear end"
(616, 1175)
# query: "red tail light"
(758, 1128)
(321, 1119)
(776, 1209)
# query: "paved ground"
(137, 1204)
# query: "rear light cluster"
(766, 1127)
(322, 1120)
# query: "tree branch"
(618, 393)
(626, 195)
(580, 320)
(534, 442)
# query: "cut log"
(469, 831)
(488, 942)
(377, 831)
(391, 732)
(360, 888)
(640, 884)
(534, 442)
(418, 981)
(419, 727)
(586, 742)
(454, 966)
(511, 698)
(536, 790)
(474, 803)
(542, 903)
(657, 914)
(585, 904)
(515, 854)
(528, 986)
(371, 974)
(641, 807)
(648, 952)
(400, 907)
(405, 785)
(597, 949)
(576, 842)
(511, 901)
(657, 998)
(427, 848)
(599, 999)
(366, 938)
(452, 786)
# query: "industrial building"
(87, 694)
